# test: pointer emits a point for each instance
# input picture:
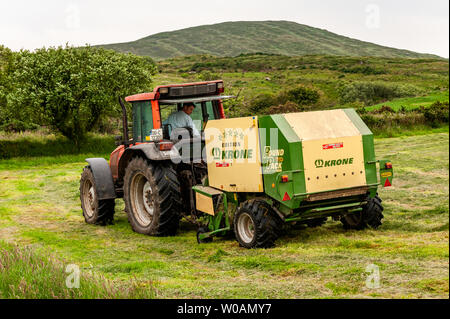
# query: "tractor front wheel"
(95, 211)
(370, 216)
(152, 197)
(256, 225)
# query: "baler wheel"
(203, 230)
(256, 225)
(95, 211)
(371, 215)
(152, 197)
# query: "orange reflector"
(387, 183)
(286, 197)
(284, 178)
(165, 146)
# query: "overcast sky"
(417, 25)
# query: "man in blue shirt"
(183, 119)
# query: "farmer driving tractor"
(182, 119)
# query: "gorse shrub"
(263, 102)
(300, 95)
(374, 92)
(288, 107)
(296, 99)
(436, 113)
(207, 76)
(366, 70)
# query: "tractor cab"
(152, 110)
(153, 137)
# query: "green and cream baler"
(298, 168)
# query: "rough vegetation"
(24, 274)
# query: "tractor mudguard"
(103, 178)
(153, 153)
(146, 150)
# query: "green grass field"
(413, 102)
(40, 209)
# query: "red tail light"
(388, 165)
(165, 146)
(220, 87)
(284, 178)
(221, 110)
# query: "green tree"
(71, 88)
(6, 64)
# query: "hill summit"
(271, 37)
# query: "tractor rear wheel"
(256, 225)
(95, 211)
(152, 197)
(371, 215)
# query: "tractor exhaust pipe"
(126, 139)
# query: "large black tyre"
(152, 197)
(370, 216)
(95, 211)
(256, 225)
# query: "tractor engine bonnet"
(292, 155)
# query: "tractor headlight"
(164, 90)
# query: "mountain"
(273, 37)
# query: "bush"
(288, 107)
(384, 109)
(71, 88)
(15, 126)
(436, 113)
(379, 122)
(366, 70)
(300, 95)
(374, 92)
(263, 102)
(208, 76)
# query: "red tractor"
(155, 170)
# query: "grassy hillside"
(40, 207)
(256, 77)
(274, 37)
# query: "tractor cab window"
(202, 113)
(197, 117)
(166, 110)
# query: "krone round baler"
(297, 168)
